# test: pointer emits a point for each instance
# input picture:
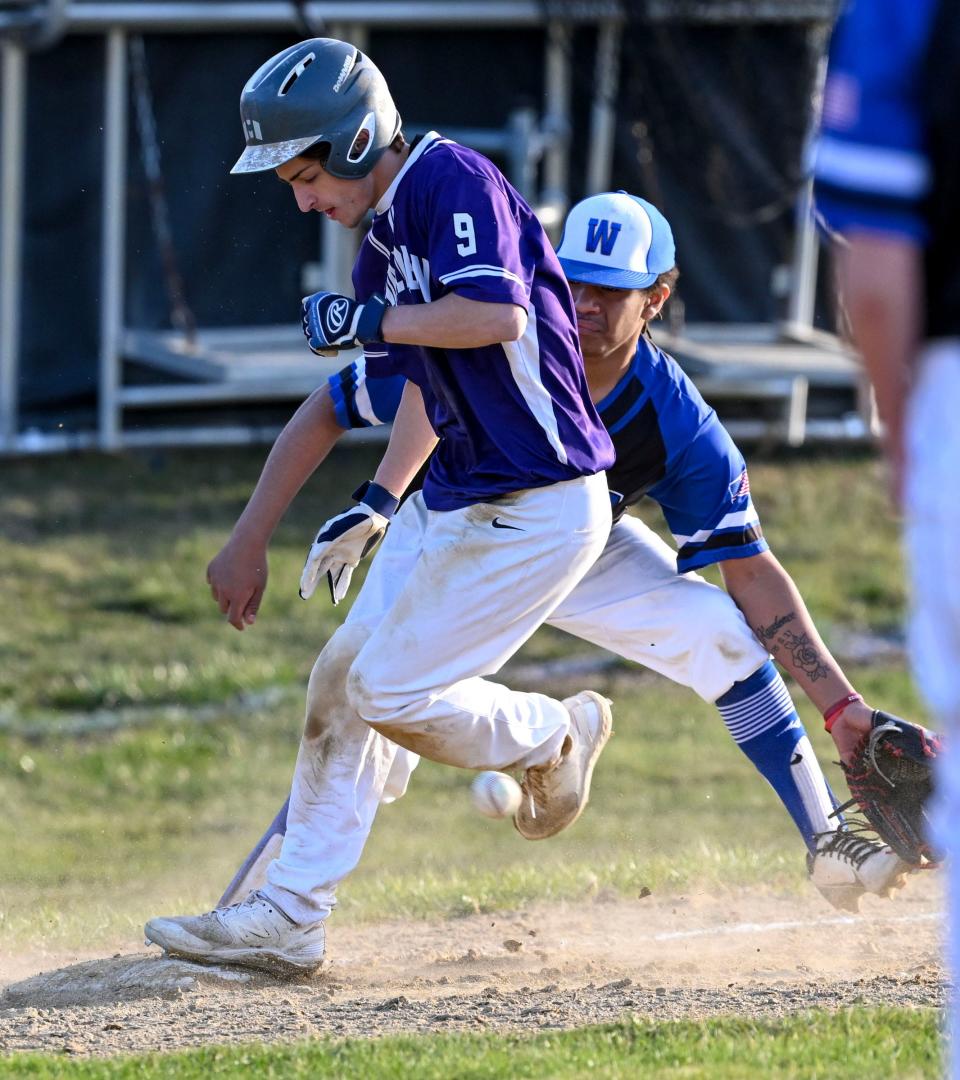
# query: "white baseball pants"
(449, 598)
(633, 602)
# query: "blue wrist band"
(377, 498)
(368, 325)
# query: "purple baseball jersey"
(509, 416)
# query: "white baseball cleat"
(555, 795)
(846, 866)
(253, 933)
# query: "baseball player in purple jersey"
(458, 282)
(642, 600)
(636, 600)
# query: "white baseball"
(495, 794)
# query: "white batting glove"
(345, 539)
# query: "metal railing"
(23, 25)
(528, 143)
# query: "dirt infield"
(743, 952)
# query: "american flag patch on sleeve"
(733, 533)
(741, 486)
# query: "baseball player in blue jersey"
(459, 289)
(887, 173)
(636, 600)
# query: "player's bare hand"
(237, 576)
(850, 727)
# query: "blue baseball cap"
(618, 240)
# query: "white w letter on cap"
(604, 233)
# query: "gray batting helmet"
(321, 90)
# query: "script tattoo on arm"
(767, 633)
(802, 651)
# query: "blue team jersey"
(509, 416)
(670, 445)
(871, 163)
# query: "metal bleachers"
(162, 371)
(777, 383)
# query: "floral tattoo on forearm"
(805, 655)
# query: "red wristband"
(830, 716)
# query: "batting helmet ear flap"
(320, 90)
(364, 139)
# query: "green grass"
(880, 1043)
(105, 832)
(102, 565)
(102, 561)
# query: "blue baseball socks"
(760, 716)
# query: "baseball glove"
(890, 779)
